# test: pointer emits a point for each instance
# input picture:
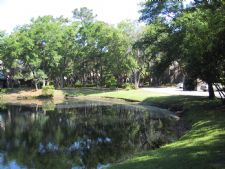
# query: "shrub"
(110, 81)
(48, 91)
(90, 85)
(3, 91)
(128, 86)
(78, 84)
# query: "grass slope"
(202, 147)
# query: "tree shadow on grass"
(168, 101)
(199, 108)
(205, 151)
(74, 92)
(202, 147)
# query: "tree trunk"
(149, 80)
(136, 79)
(101, 77)
(221, 92)
(36, 85)
(43, 83)
(7, 83)
(62, 81)
(211, 91)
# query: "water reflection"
(82, 135)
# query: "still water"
(79, 134)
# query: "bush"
(90, 85)
(128, 86)
(78, 84)
(3, 91)
(110, 81)
(48, 91)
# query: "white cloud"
(17, 12)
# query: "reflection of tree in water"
(86, 136)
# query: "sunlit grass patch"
(202, 147)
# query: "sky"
(19, 12)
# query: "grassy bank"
(202, 147)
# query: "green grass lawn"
(137, 95)
(202, 147)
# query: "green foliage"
(151, 10)
(198, 148)
(193, 37)
(83, 14)
(128, 86)
(48, 91)
(110, 81)
(78, 84)
(3, 91)
(64, 51)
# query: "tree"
(137, 62)
(27, 55)
(69, 54)
(48, 35)
(100, 48)
(84, 15)
(154, 43)
(193, 37)
(34, 49)
(166, 9)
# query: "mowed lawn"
(136, 95)
(202, 147)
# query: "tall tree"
(133, 31)
(84, 15)
(194, 30)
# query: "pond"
(80, 134)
